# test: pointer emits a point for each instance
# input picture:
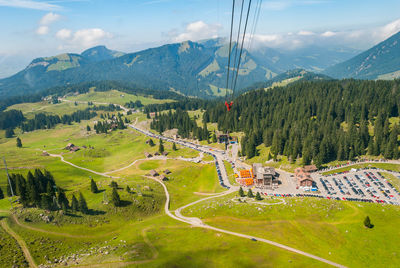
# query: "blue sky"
(32, 28)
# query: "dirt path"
(21, 243)
(196, 222)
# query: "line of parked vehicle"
(190, 145)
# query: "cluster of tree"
(250, 194)
(81, 88)
(106, 125)
(43, 121)
(40, 190)
(181, 120)
(318, 121)
(11, 119)
(136, 104)
(107, 108)
(186, 104)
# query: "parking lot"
(363, 185)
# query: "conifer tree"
(161, 147)
(258, 196)
(114, 184)
(46, 202)
(115, 199)
(9, 133)
(214, 138)
(62, 200)
(174, 146)
(74, 204)
(82, 204)
(1, 194)
(151, 142)
(19, 142)
(93, 187)
(250, 193)
(241, 192)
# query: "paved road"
(196, 221)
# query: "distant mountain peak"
(100, 53)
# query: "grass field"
(392, 179)
(30, 109)
(115, 97)
(330, 229)
(10, 252)
(387, 166)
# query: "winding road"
(219, 158)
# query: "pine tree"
(50, 190)
(19, 142)
(367, 222)
(32, 190)
(82, 204)
(46, 202)
(250, 193)
(9, 133)
(241, 192)
(62, 200)
(151, 143)
(74, 204)
(93, 187)
(174, 146)
(115, 199)
(114, 184)
(128, 190)
(214, 138)
(1, 194)
(88, 128)
(258, 196)
(161, 147)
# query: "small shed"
(69, 146)
(167, 171)
(165, 153)
(153, 173)
(74, 149)
(157, 153)
(148, 155)
(45, 153)
(164, 178)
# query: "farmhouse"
(153, 173)
(147, 155)
(303, 178)
(167, 171)
(264, 176)
(163, 178)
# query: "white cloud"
(328, 34)
(45, 22)
(42, 30)
(363, 38)
(30, 4)
(49, 18)
(305, 33)
(285, 4)
(64, 34)
(196, 31)
(83, 38)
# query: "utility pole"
(9, 182)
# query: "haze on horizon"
(34, 28)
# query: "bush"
(367, 222)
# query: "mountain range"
(200, 68)
(380, 62)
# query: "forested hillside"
(318, 121)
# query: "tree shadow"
(125, 203)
